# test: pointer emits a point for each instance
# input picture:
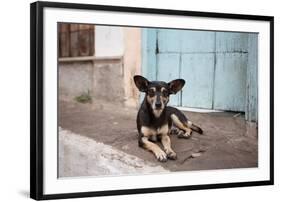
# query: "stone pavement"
(225, 143)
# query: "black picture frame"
(37, 98)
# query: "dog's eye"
(151, 92)
(165, 93)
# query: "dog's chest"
(149, 131)
(162, 130)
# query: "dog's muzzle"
(157, 107)
(158, 103)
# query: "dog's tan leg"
(165, 139)
(183, 126)
(159, 153)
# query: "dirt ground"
(224, 144)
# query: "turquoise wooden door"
(213, 64)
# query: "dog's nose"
(158, 105)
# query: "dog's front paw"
(171, 155)
(161, 156)
(183, 134)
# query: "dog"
(156, 120)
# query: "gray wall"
(103, 78)
(75, 78)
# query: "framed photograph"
(129, 100)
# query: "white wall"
(14, 101)
(109, 41)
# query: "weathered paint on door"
(198, 71)
(215, 65)
(230, 71)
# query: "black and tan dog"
(156, 120)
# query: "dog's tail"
(195, 127)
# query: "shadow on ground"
(225, 143)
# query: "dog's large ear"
(141, 83)
(176, 85)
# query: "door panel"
(231, 42)
(167, 70)
(185, 41)
(169, 40)
(230, 71)
(198, 72)
(197, 41)
(149, 38)
(230, 81)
